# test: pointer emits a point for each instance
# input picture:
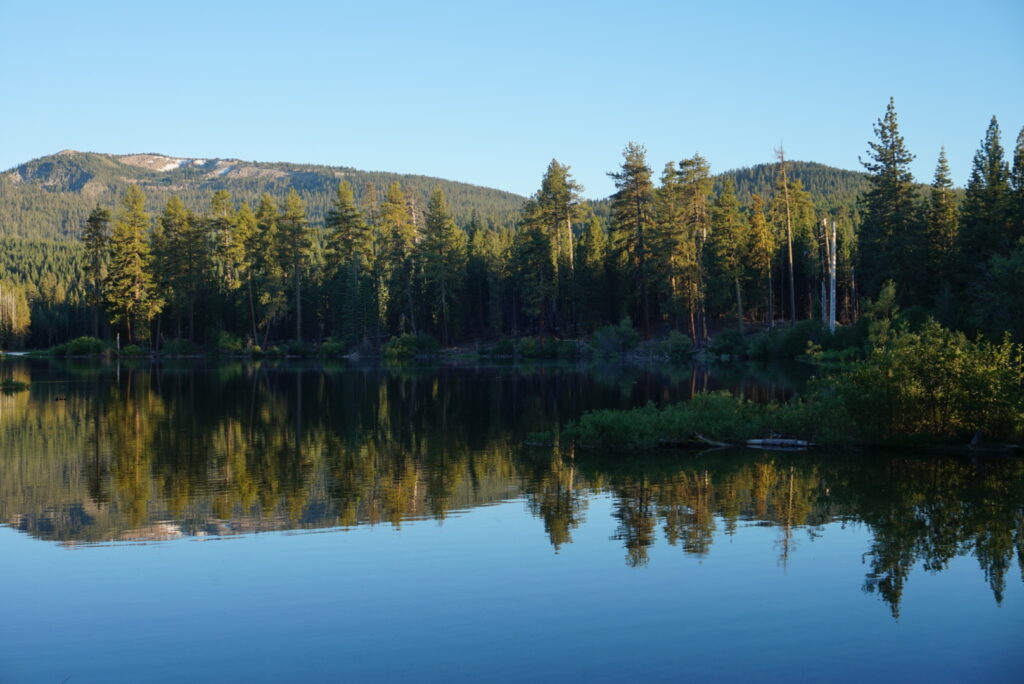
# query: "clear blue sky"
(488, 93)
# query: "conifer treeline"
(679, 254)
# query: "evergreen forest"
(189, 255)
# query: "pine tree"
(96, 238)
(264, 253)
(245, 236)
(891, 237)
(533, 271)
(295, 247)
(730, 242)
(183, 256)
(941, 224)
(399, 235)
(696, 186)
(633, 219)
(130, 293)
(592, 283)
(1017, 187)
(348, 261)
(762, 253)
(986, 225)
(443, 262)
(782, 183)
(556, 208)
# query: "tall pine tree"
(130, 293)
(633, 220)
(890, 236)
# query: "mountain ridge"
(51, 196)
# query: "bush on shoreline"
(913, 387)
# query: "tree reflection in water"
(96, 453)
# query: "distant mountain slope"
(829, 187)
(50, 197)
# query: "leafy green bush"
(178, 347)
(333, 349)
(527, 347)
(762, 345)
(80, 346)
(730, 341)
(301, 349)
(503, 347)
(615, 340)
(917, 386)
(677, 347)
(133, 350)
(567, 349)
(792, 342)
(549, 348)
(934, 383)
(410, 346)
(225, 343)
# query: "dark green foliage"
(677, 347)
(632, 229)
(891, 235)
(998, 299)
(10, 386)
(729, 342)
(80, 346)
(133, 350)
(178, 347)
(934, 383)
(613, 341)
(410, 346)
(332, 349)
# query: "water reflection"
(141, 453)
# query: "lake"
(273, 521)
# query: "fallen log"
(779, 443)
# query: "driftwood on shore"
(779, 443)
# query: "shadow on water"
(99, 452)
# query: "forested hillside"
(51, 197)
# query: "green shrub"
(677, 347)
(567, 349)
(409, 346)
(933, 383)
(225, 343)
(730, 341)
(527, 347)
(333, 349)
(503, 347)
(615, 340)
(133, 350)
(792, 343)
(762, 345)
(80, 346)
(178, 347)
(301, 349)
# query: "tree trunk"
(298, 307)
(739, 305)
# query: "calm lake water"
(276, 522)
